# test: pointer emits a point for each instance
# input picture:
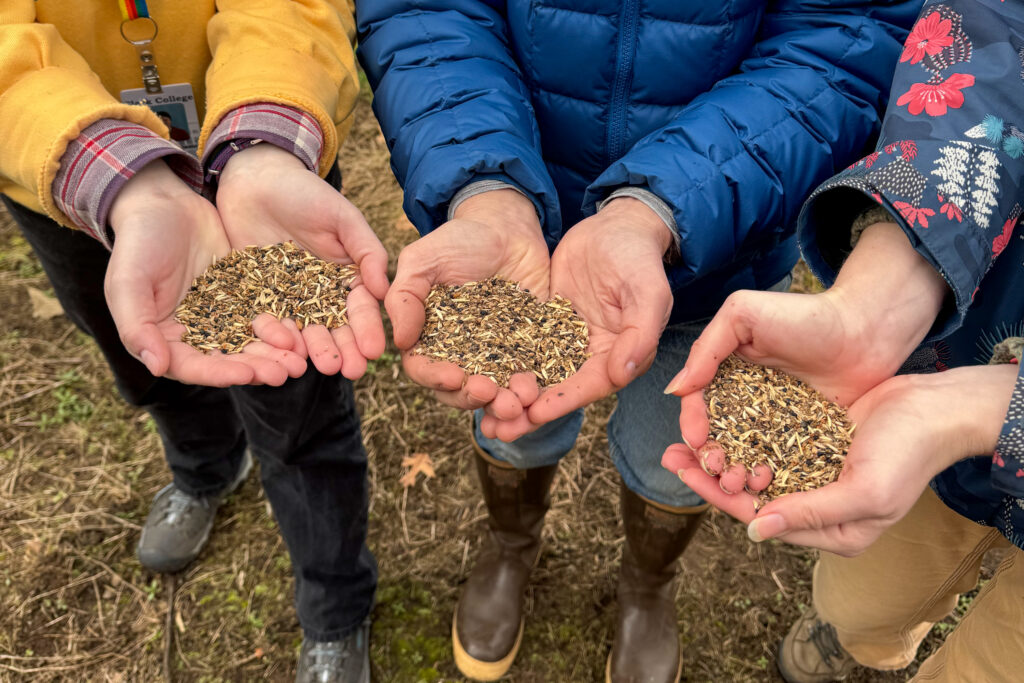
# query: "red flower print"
(933, 99)
(951, 211)
(878, 197)
(1000, 242)
(913, 214)
(1020, 473)
(930, 36)
(998, 459)
(870, 159)
(890, 148)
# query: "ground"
(78, 469)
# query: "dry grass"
(78, 469)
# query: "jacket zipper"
(629, 17)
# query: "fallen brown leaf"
(417, 463)
(44, 306)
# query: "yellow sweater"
(63, 64)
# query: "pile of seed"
(282, 279)
(761, 415)
(496, 329)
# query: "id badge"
(176, 107)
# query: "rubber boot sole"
(477, 669)
(608, 670)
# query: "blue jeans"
(644, 424)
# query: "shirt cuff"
(1008, 459)
(475, 188)
(655, 204)
(98, 163)
(293, 130)
(870, 216)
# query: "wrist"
(888, 293)
(982, 404)
(257, 159)
(154, 183)
(642, 220)
(507, 207)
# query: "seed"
(495, 328)
(280, 279)
(761, 415)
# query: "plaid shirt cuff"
(290, 129)
(97, 164)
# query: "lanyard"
(133, 9)
(136, 11)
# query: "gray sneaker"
(339, 661)
(179, 525)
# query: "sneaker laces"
(179, 506)
(327, 657)
(823, 636)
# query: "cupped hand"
(843, 341)
(165, 236)
(266, 196)
(495, 233)
(610, 266)
(909, 428)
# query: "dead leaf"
(417, 463)
(404, 223)
(44, 306)
(258, 653)
(179, 622)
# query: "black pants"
(305, 433)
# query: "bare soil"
(78, 469)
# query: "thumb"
(133, 307)
(645, 312)
(361, 243)
(723, 335)
(405, 301)
(830, 506)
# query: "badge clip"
(150, 74)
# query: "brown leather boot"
(646, 648)
(488, 625)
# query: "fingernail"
(148, 359)
(766, 527)
(677, 382)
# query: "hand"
(267, 196)
(610, 266)
(495, 233)
(909, 429)
(830, 340)
(165, 236)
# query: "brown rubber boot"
(646, 648)
(488, 625)
(811, 653)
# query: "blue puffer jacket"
(731, 112)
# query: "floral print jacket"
(949, 167)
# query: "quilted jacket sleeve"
(736, 164)
(458, 85)
(950, 159)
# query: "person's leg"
(515, 478)
(876, 608)
(988, 643)
(306, 436)
(660, 516)
(202, 438)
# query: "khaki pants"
(883, 602)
